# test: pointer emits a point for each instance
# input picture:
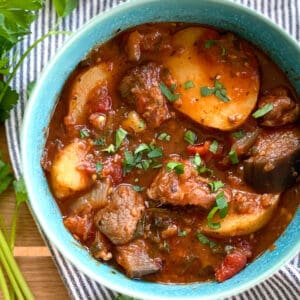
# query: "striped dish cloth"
(285, 284)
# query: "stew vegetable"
(173, 153)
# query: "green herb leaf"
(238, 134)
(262, 111)
(30, 88)
(204, 240)
(222, 205)
(138, 188)
(164, 136)
(124, 297)
(166, 246)
(120, 136)
(155, 153)
(206, 170)
(197, 160)
(210, 217)
(209, 43)
(157, 166)
(141, 148)
(8, 101)
(214, 147)
(168, 93)
(20, 191)
(215, 185)
(99, 167)
(84, 133)
(218, 90)
(182, 233)
(64, 7)
(206, 91)
(100, 141)
(110, 149)
(141, 124)
(190, 137)
(176, 166)
(188, 84)
(6, 176)
(233, 157)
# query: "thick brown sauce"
(186, 260)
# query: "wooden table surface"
(31, 253)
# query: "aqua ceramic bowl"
(224, 14)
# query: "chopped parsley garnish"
(262, 111)
(156, 152)
(182, 233)
(218, 90)
(141, 124)
(138, 188)
(214, 147)
(110, 149)
(144, 157)
(164, 136)
(166, 246)
(100, 141)
(206, 170)
(84, 133)
(233, 157)
(204, 240)
(238, 134)
(215, 185)
(188, 84)
(190, 137)
(221, 207)
(197, 160)
(141, 148)
(168, 93)
(99, 167)
(120, 136)
(176, 166)
(224, 51)
(209, 43)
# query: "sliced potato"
(83, 84)
(243, 223)
(65, 177)
(134, 123)
(194, 62)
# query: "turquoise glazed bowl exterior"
(224, 14)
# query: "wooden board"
(32, 255)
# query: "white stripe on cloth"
(285, 284)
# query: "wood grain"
(31, 253)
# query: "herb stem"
(10, 276)
(12, 75)
(13, 228)
(12, 268)
(3, 286)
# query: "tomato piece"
(232, 264)
(202, 149)
(114, 170)
(80, 226)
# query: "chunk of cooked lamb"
(118, 220)
(141, 88)
(188, 188)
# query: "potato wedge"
(65, 178)
(203, 64)
(84, 83)
(237, 223)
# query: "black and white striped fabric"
(285, 284)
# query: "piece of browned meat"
(140, 87)
(188, 188)
(134, 258)
(274, 160)
(147, 40)
(119, 218)
(285, 109)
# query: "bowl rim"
(33, 200)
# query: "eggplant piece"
(134, 258)
(274, 160)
